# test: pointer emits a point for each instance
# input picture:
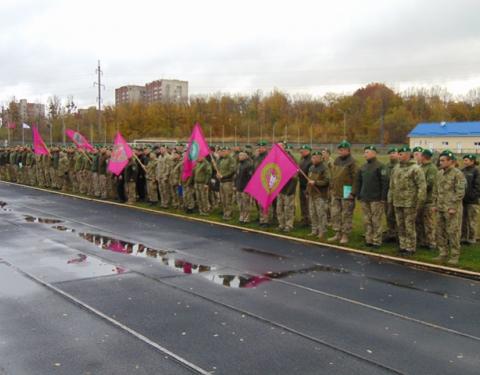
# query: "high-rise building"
(130, 94)
(30, 111)
(166, 90)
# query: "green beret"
(449, 154)
(224, 148)
(392, 150)
(371, 147)
(427, 152)
(306, 147)
(417, 149)
(404, 149)
(344, 144)
(180, 144)
(317, 153)
(470, 156)
(262, 143)
(289, 147)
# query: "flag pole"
(84, 153)
(141, 164)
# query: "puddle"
(2, 204)
(63, 229)
(263, 252)
(41, 220)
(237, 281)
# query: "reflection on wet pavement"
(41, 220)
(2, 204)
(263, 252)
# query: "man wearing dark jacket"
(242, 176)
(371, 189)
(471, 207)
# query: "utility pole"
(99, 98)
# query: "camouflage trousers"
(341, 211)
(449, 227)
(82, 187)
(152, 191)
(317, 207)
(372, 221)
(131, 192)
(13, 173)
(95, 185)
(164, 188)
(391, 233)
(226, 198)
(201, 193)
(40, 177)
(286, 211)
(59, 180)
(244, 202)
(110, 186)
(214, 199)
(304, 207)
(102, 186)
(65, 182)
(2, 173)
(90, 183)
(175, 197)
(425, 224)
(189, 197)
(470, 222)
(407, 235)
(46, 174)
(265, 217)
(53, 177)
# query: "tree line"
(372, 114)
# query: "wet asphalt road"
(90, 288)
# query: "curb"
(404, 261)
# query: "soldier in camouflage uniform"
(242, 176)
(342, 188)
(425, 216)
(32, 170)
(448, 194)
(39, 171)
(225, 171)
(3, 163)
(77, 185)
(188, 192)
(71, 170)
(264, 217)
(163, 171)
(201, 178)
(102, 173)
(305, 164)
(391, 233)
(317, 192)
(174, 180)
(286, 200)
(13, 168)
(327, 158)
(151, 176)
(95, 188)
(130, 175)
(417, 154)
(407, 192)
(62, 171)
(371, 190)
(48, 170)
(471, 206)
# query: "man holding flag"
(276, 169)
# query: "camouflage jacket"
(430, 171)
(343, 172)
(449, 189)
(202, 172)
(176, 173)
(408, 187)
(151, 168)
(320, 173)
(226, 167)
(163, 167)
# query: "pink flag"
(121, 154)
(197, 146)
(39, 146)
(79, 140)
(271, 176)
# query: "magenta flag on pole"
(271, 176)
(197, 146)
(79, 140)
(39, 146)
(121, 154)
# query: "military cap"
(470, 156)
(404, 149)
(344, 144)
(392, 150)
(427, 152)
(180, 144)
(371, 147)
(306, 147)
(262, 143)
(319, 153)
(289, 147)
(449, 154)
(417, 149)
(224, 148)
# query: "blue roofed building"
(460, 137)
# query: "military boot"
(335, 238)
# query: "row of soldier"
(434, 206)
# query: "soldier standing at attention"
(286, 199)
(131, 175)
(471, 207)
(417, 154)
(201, 178)
(242, 176)
(305, 163)
(151, 176)
(226, 169)
(174, 179)
(391, 233)
(407, 192)
(263, 217)
(371, 190)
(425, 217)
(102, 173)
(343, 188)
(447, 197)
(317, 189)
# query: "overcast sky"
(51, 47)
